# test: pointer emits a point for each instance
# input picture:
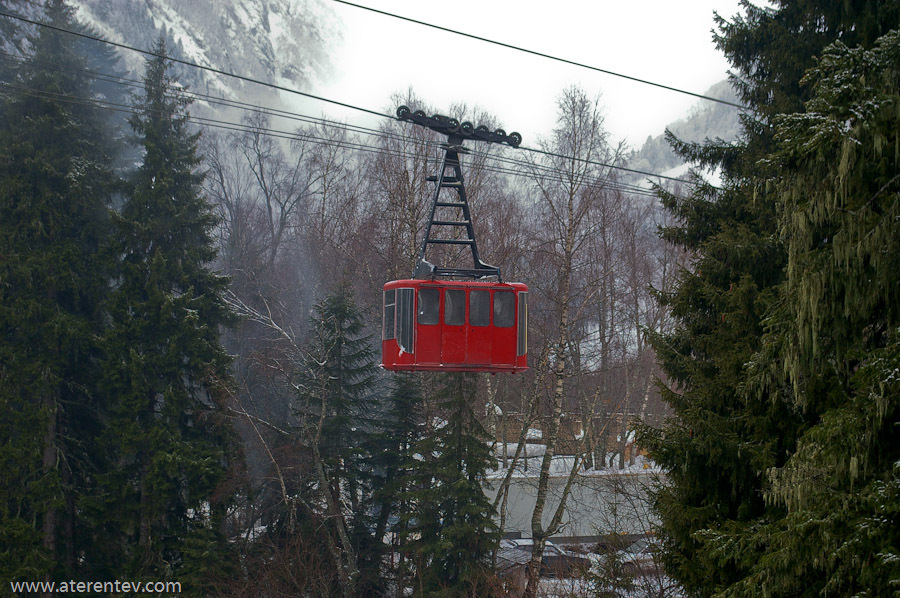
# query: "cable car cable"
(294, 91)
(586, 161)
(275, 112)
(211, 99)
(553, 174)
(541, 54)
(535, 150)
(294, 135)
(281, 88)
(193, 64)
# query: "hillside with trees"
(706, 120)
(191, 317)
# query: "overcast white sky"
(664, 41)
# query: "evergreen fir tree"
(12, 38)
(399, 434)
(55, 188)
(337, 406)
(721, 442)
(836, 329)
(736, 419)
(167, 449)
(450, 531)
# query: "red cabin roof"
(455, 326)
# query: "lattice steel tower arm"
(449, 176)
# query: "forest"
(191, 316)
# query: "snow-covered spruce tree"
(728, 431)
(167, 448)
(55, 189)
(335, 408)
(450, 531)
(836, 329)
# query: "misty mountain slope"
(705, 120)
(279, 41)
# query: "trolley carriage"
(455, 326)
(435, 322)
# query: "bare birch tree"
(566, 198)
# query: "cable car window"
(522, 344)
(504, 309)
(405, 319)
(429, 305)
(480, 308)
(454, 307)
(389, 312)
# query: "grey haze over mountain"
(279, 41)
(706, 120)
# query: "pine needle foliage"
(165, 372)
(55, 191)
(746, 389)
(339, 372)
(393, 458)
(338, 408)
(839, 216)
(450, 530)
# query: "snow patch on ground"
(561, 466)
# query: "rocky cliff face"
(279, 41)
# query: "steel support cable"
(262, 110)
(613, 166)
(293, 91)
(218, 124)
(289, 135)
(531, 166)
(222, 101)
(198, 120)
(193, 64)
(553, 174)
(541, 54)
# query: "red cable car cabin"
(455, 326)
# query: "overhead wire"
(227, 102)
(541, 54)
(308, 119)
(552, 174)
(231, 103)
(282, 88)
(191, 64)
(206, 98)
(515, 167)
